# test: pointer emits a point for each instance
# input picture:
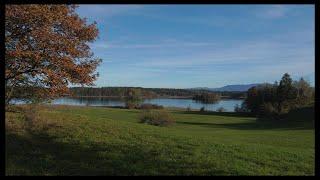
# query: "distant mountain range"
(238, 87)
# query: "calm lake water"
(227, 104)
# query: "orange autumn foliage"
(47, 47)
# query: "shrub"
(150, 106)
(31, 115)
(241, 108)
(268, 110)
(131, 105)
(202, 109)
(133, 98)
(13, 108)
(157, 118)
(221, 109)
(237, 108)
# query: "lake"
(227, 104)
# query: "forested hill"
(145, 92)
(240, 87)
(229, 88)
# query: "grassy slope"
(106, 141)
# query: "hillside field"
(69, 140)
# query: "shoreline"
(159, 97)
(170, 108)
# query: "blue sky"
(183, 46)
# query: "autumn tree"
(46, 49)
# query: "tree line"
(151, 92)
(109, 91)
(276, 99)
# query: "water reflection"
(227, 104)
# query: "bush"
(202, 109)
(150, 106)
(241, 108)
(268, 110)
(133, 98)
(31, 112)
(131, 105)
(157, 118)
(31, 116)
(237, 108)
(13, 108)
(221, 109)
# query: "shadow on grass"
(112, 107)
(228, 114)
(297, 119)
(255, 125)
(41, 154)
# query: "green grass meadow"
(69, 140)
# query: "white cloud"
(273, 11)
(100, 12)
(251, 53)
(163, 44)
